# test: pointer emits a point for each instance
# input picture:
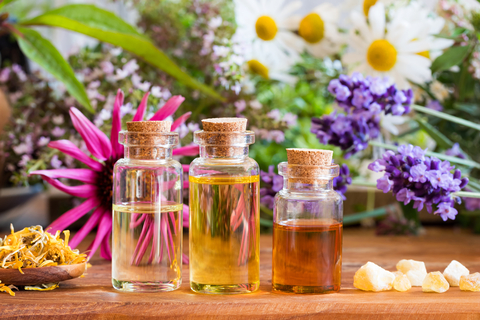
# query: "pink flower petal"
(191, 150)
(83, 191)
(185, 217)
(168, 109)
(104, 227)
(84, 175)
(186, 184)
(97, 142)
(72, 150)
(87, 227)
(185, 258)
(186, 167)
(105, 250)
(117, 148)
(73, 215)
(142, 107)
(180, 120)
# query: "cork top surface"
(314, 157)
(149, 126)
(225, 124)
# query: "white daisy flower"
(271, 66)
(380, 50)
(427, 24)
(319, 29)
(365, 5)
(266, 26)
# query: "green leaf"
(41, 51)
(452, 57)
(107, 27)
(443, 115)
(5, 2)
(441, 140)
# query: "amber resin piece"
(371, 277)
(435, 282)
(470, 282)
(401, 282)
(415, 271)
(453, 273)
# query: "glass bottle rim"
(148, 139)
(310, 171)
(222, 138)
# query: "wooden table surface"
(93, 297)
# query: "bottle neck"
(148, 153)
(317, 185)
(223, 152)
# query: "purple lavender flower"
(455, 151)
(340, 183)
(411, 176)
(363, 100)
(434, 105)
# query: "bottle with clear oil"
(307, 225)
(224, 210)
(147, 210)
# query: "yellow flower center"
(257, 67)
(266, 28)
(367, 4)
(425, 54)
(312, 28)
(381, 55)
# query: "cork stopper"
(149, 126)
(224, 137)
(225, 125)
(305, 164)
(312, 157)
(149, 139)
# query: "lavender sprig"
(363, 100)
(411, 176)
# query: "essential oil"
(224, 210)
(150, 239)
(224, 224)
(147, 210)
(307, 256)
(307, 225)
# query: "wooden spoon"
(36, 276)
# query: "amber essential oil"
(147, 263)
(307, 256)
(224, 237)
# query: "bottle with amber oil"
(147, 210)
(307, 225)
(224, 210)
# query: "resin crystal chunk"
(454, 271)
(401, 283)
(470, 282)
(371, 277)
(435, 282)
(415, 271)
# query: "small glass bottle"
(224, 210)
(147, 210)
(307, 225)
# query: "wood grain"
(35, 276)
(93, 297)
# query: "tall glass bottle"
(147, 210)
(307, 225)
(224, 210)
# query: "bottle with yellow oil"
(147, 210)
(224, 210)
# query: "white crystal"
(435, 282)
(371, 277)
(470, 282)
(401, 283)
(453, 273)
(415, 271)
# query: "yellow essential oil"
(224, 234)
(149, 239)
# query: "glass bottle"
(307, 225)
(147, 210)
(224, 210)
